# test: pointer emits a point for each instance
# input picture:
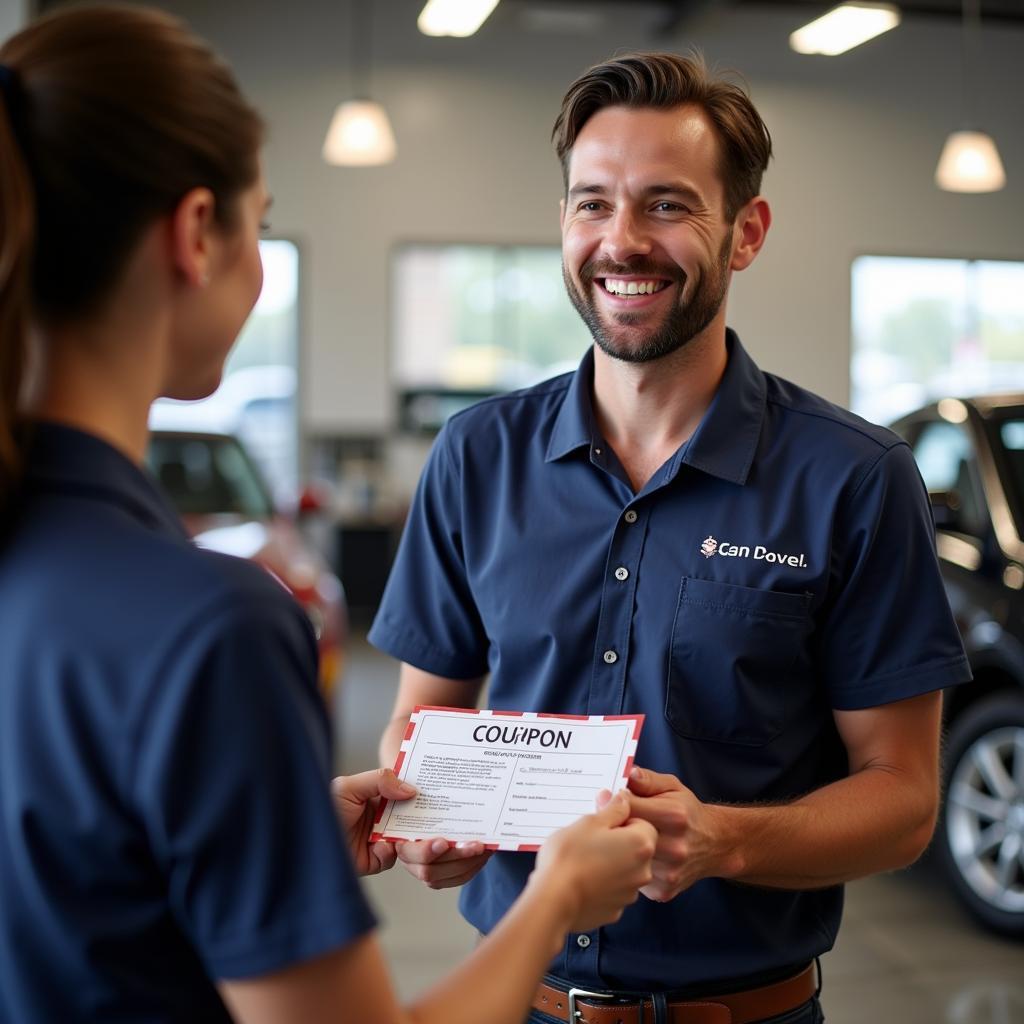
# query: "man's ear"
(561, 213)
(192, 226)
(749, 231)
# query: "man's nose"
(625, 237)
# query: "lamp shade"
(970, 163)
(359, 136)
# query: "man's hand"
(440, 864)
(689, 847)
(357, 798)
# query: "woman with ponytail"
(169, 848)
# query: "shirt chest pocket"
(733, 650)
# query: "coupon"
(507, 779)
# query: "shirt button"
(610, 657)
(621, 573)
(630, 516)
(583, 941)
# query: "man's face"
(646, 250)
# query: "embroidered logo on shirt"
(725, 549)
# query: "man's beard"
(680, 325)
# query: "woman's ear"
(192, 228)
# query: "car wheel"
(981, 837)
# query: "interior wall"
(856, 138)
(13, 14)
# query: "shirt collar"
(71, 461)
(724, 443)
(574, 426)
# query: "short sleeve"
(427, 616)
(888, 632)
(232, 783)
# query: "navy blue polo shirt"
(164, 759)
(778, 566)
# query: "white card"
(507, 779)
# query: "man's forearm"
(873, 820)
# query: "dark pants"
(809, 1013)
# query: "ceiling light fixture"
(454, 17)
(845, 27)
(360, 133)
(970, 160)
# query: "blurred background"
(424, 273)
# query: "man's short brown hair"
(665, 80)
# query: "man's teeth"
(617, 287)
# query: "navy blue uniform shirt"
(778, 566)
(164, 759)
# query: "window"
(257, 400)
(928, 328)
(945, 457)
(207, 475)
(474, 320)
(1011, 434)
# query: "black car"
(971, 455)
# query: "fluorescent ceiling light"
(970, 163)
(359, 136)
(454, 17)
(845, 27)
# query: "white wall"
(857, 138)
(13, 14)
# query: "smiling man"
(669, 530)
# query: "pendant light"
(458, 18)
(970, 160)
(360, 133)
(845, 27)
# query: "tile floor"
(906, 953)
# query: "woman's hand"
(599, 863)
(357, 799)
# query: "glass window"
(929, 328)
(207, 475)
(1011, 433)
(941, 451)
(257, 399)
(473, 320)
(945, 457)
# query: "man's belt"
(579, 1006)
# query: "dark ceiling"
(995, 10)
(677, 12)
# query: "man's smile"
(618, 293)
(631, 286)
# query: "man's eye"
(666, 207)
(590, 207)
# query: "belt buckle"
(582, 993)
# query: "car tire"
(981, 832)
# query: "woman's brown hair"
(109, 115)
(665, 80)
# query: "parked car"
(225, 506)
(256, 404)
(971, 455)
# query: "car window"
(945, 457)
(207, 475)
(1011, 433)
